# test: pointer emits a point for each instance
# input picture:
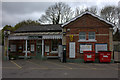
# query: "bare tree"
(79, 11)
(118, 13)
(110, 13)
(57, 14)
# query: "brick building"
(87, 32)
(35, 41)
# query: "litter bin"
(89, 56)
(104, 56)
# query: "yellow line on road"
(79, 65)
(47, 68)
(59, 65)
(58, 68)
(16, 64)
(9, 67)
(98, 68)
(87, 67)
(38, 68)
(36, 64)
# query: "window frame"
(85, 44)
(82, 35)
(99, 44)
(92, 36)
(52, 45)
(14, 47)
(28, 46)
(32, 47)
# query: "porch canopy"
(35, 37)
(37, 32)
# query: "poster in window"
(13, 48)
(46, 48)
(101, 47)
(32, 47)
(85, 47)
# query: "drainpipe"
(42, 47)
(7, 49)
(26, 51)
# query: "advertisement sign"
(101, 47)
(32, 47)
(85, 47)
(46, 48)
(71, 37)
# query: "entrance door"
(72, 50)
(59, 51)
(39, 50)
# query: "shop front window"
(54, 45)
(32, 47)
(28, 46)
(101, 47)
(13, 48)
(20, 48)
(85, 47)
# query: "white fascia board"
(90, 14)
(87, 40)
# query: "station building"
(86, 32)
(39, 41)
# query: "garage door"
(72, 50)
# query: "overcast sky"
(14, 12)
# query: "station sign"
(34, 37)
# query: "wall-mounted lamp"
(68, 29)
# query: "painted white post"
(26, 51)
(7, 49)
(42, 47)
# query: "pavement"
(53, 68)
(0, 61)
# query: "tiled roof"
(38, 33)
(40, 28)
(89, 14)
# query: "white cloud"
(19, 12)
(14, 19)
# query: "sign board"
(32, 47)
(71, 37)
(46, 48)
(101, 47)
(89, 56)
(59, 50)
(72, 50)
(85, 47)
(34, 37)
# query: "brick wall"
(86, 23)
